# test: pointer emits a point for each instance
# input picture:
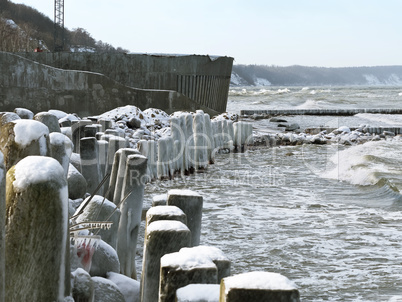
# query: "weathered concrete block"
(258, 286)
(37, 231)
(104, 260)
(50, 120)
(24, 113)
(183, 268)
(21, 138)
(161, 237)
(89, 162)
(130, 288)
(190, 203)
(101, 209)
(6, 117)
(106, 291)
(82, 286)
(77, 132)
(159, 200)
(91, 130)
(77, 185)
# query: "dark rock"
(134, 123)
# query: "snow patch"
(198, 292)
(27, 131)
(261, 82)
(259, 280)
(165, 210)
(38, 169)
(166, 225)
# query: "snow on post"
(89, 151)
(182, 268)
(258, 286)
(37, 231)
(198, 293)
(165, 213)
(2, 223)
(159, 200)
(216, 255)
(190, 203)
(131, 210)
(121, 171)
(161, 237)
(21, 138)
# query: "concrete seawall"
(202, 79)
(38, 87)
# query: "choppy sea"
(329, 217)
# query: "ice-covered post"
(258, 286)
(21, 138)
(182, 268)
(61, 149)
(209, 138)
(37, 231)
(115, 143)
(161, 237)
(2, 223)
(190, 203)
(200, 141)
(131, 210)
(89, 162)
(120, 174)
(188, 158)
(164, 151)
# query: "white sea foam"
(368, 163)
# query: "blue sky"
(330, 33)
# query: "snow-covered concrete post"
(121, 171)
(21, 138)
(105, 123)
(61, 149)
(190, 203)
(131, 210)
(89, 162)
(159, 200)
(91, 130)
(2, 223)
(182, 268)
(37, 231)
(216, 255)
(103, 149)
(113, 176)
(50, 120)
(165, 213)
(258, 286)
(161, 237)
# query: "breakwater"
(335, 112)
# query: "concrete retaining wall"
(201, 78)
(38, 87)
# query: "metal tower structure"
(58, 25)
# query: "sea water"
(328, 217)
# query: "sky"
(327, 33)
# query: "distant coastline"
(264, 75)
